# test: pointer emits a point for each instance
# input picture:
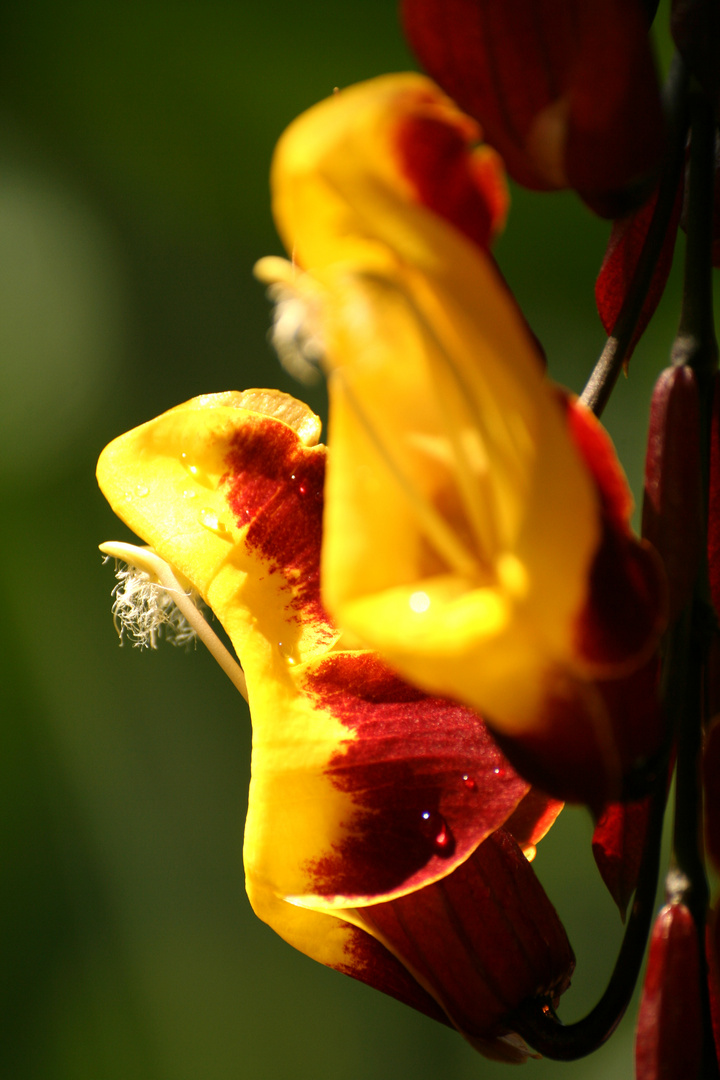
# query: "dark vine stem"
(600, 385)
(686, 645)
(696, 346)
(536, 1020)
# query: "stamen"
(294, 334)
(153, 574)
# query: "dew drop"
(288, 652)
(128, 495)
(435, 829)
(499, 771)
(188, 493)
(141, 490)
(209, 519)
(302, 488)
(187, 464)
(469, 782)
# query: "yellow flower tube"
(461, 521)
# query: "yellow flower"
(464, 518)
(366, 793)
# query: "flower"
(566, 91)
(477, 524)
(385, 829)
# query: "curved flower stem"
(610, 362)
(536, 1020)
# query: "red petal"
(428, 779)
(590, 736)
(669, 1032)
(622, 255)
(466, 188)
(532, 818)
(565, 89)
(627, 606)
(483, 940)
(371, 963)
(618, 844)
(673, 510)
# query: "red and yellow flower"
(385, 829)
(477, 523)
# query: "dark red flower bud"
(566, 90)
(669, 1033)
(673, 513)
(622, 256)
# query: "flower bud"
(673, 504)
(668, 1044)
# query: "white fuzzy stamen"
(143, 611)
(146, 593)
(299, 349)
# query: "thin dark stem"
(696, 346)
(536, 1022)
(610, 362)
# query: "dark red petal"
(695, 27)
(669, 1032)
(617, 136)
(565, 89)
(626, 609)
(590, 737)
(618, 843)
(427, 778)
(371, 963)
(622, 255)
(465, 187)
(711, 785)
(673, 510)
(484, 939)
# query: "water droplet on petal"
(469, 782)
(209, 519)
(189, 493)
(435, 829)
(141, 490)
(499, 771)
(187, 464)
(302, 488)
(288, 652)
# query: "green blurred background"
(135, 140)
